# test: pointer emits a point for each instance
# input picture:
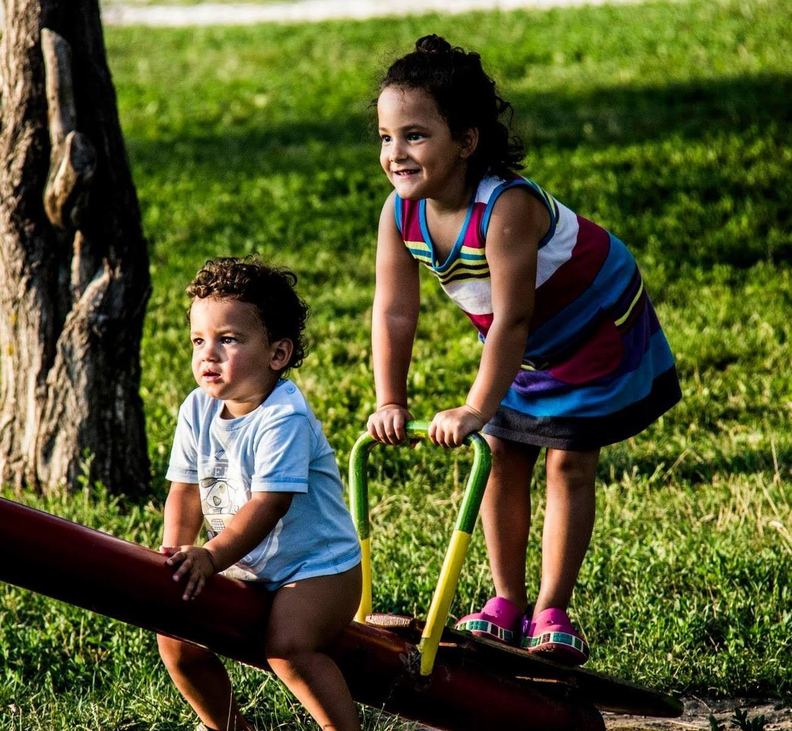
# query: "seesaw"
(442, 678)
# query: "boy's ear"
(468, 142)
(281, 354)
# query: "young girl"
(250, 461)
(573, 356)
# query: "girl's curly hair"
(466, 98)
(270, 289)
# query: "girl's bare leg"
(305, 616)
(202, 679)
(569, 521)
(506, 516)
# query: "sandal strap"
(484, 625)
(559, 638)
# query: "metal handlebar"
(457, 548)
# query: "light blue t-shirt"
(278, 447)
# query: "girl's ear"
(281, 354)
(468, 142)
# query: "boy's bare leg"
(506, 516)
(202, 679)
(304, 618)
(568, 524)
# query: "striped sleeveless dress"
(597, 367)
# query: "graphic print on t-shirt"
(221, 497)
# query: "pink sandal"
(552, 635)
(499, 619)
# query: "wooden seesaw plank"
(605, 692)
(125, 581)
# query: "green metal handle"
(452, 564)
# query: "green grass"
(669, 124)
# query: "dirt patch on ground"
(777, 715)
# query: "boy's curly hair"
(270, 289)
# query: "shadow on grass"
(634, 115)
(695, 469)
(700, 194)
(599, 118)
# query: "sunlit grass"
(668, 123)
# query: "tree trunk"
(73, 262)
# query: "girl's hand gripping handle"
(388, 424)
(449, 428)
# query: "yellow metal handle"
(365, 595)
(460, 539)
(441, 601)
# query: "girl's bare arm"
(518, 223)
(394, 321)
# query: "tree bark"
(74, 275)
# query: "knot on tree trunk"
(72, 166)
(73, 157)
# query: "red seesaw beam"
(125, 581)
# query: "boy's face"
(233, 359)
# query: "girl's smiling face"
(233, 359)
(418, 153)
